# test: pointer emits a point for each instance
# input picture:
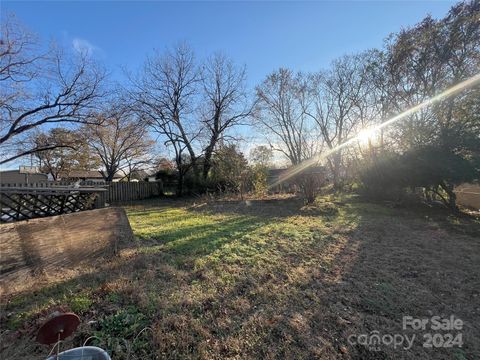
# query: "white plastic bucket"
(82, 353)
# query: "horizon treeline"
(60, 107)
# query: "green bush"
(259, 179)
(392, 176)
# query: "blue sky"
(304, 36)
(263, 35)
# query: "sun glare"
(366, 135)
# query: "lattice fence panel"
(26, 204)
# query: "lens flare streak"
(294, 170)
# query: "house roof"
(90, 174)
(18, 172)
(141, 173)
(10, 172)
(15, 176)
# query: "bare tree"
(39, 89)
(225, 102)
(261, 155)
(434, 55)
(121, 141)
(338, 105)
(69, 152)
(164, 95)
(20, 51)
(280, 113)
(420, 62)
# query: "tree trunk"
(207, 163)
(452, 197)
(337, 158)
(180, 184)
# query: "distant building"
(274, 181)
(468, 195)
(138, 175)
(21, 177)
(85, 175)
(151, 178)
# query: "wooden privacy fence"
(128, 191)
(107, 193)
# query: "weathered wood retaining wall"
(50, 245)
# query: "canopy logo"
(438, 332)
(373, 341)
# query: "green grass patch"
(266, 279)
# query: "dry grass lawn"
(264, 279)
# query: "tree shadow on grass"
(179, 248)
(387, 267)
(361, 274)
(170, 255)
(266, 209)
(185, 245)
